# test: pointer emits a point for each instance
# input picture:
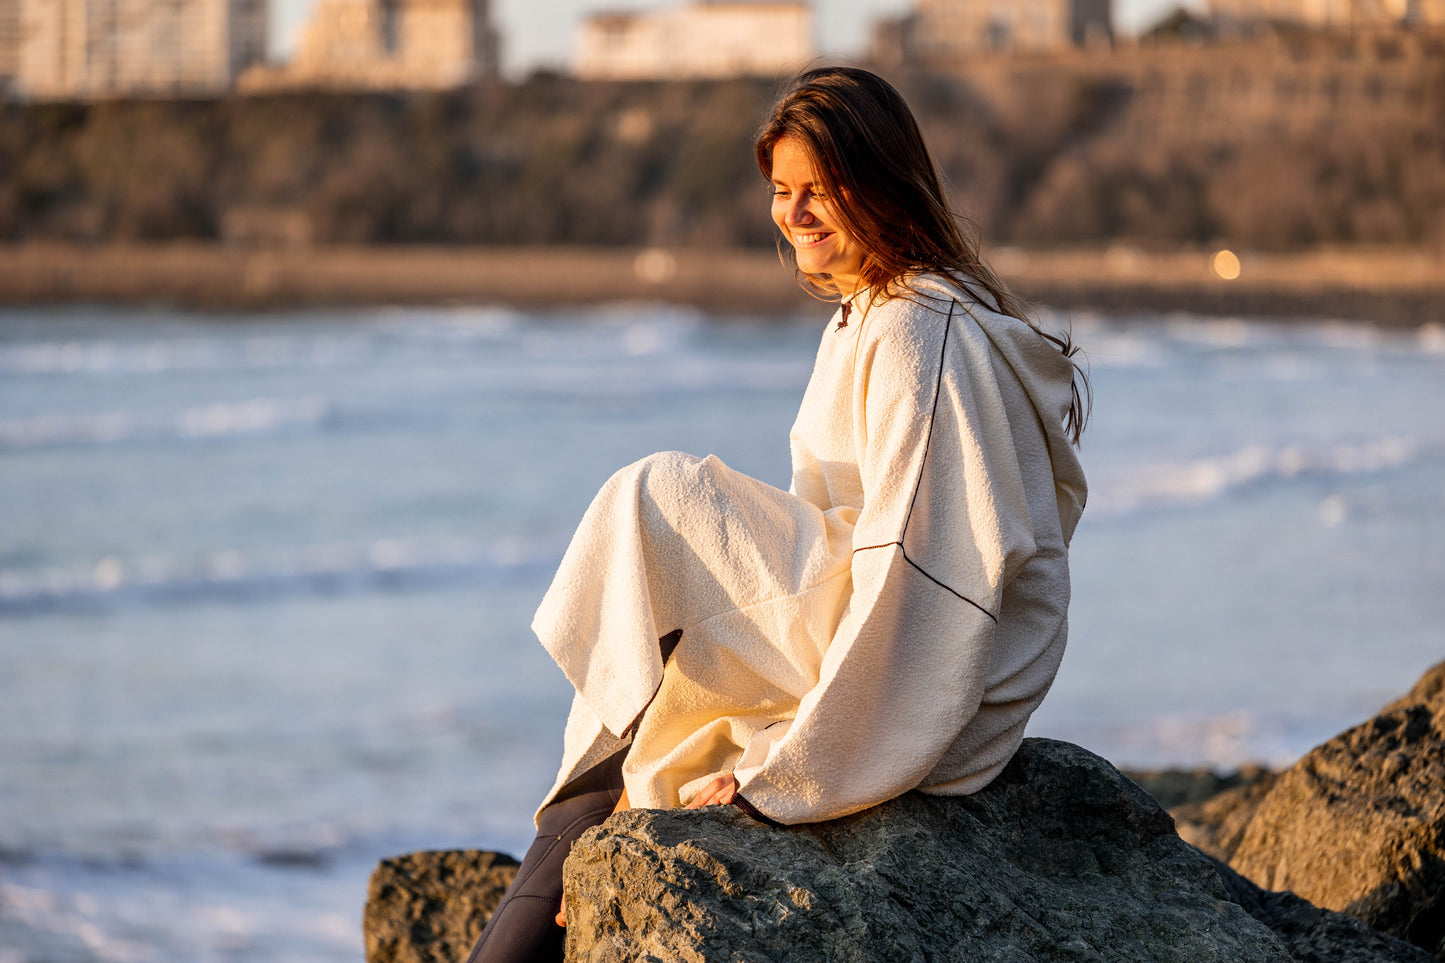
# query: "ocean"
(266, 580)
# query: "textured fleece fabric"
(889, 623)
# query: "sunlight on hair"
(1225, 265)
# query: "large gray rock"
(1358, 824)
(430, 907)
(1060, 858)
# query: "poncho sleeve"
(944, 528)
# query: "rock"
(1211, 810)
(430, 907)
(1216, 825)
(1358, 824)
(1315, 935)
(1181, 787)
(1429, 691)
(1060, 858)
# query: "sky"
(539, 33)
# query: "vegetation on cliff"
(1150, 151)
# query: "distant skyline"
(539, 33)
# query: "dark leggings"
(523, 928)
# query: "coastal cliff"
(1283, 144)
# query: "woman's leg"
(522, 929)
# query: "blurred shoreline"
(1382, 286)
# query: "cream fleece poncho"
(889, 623)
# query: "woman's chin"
(818, 271)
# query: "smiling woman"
(802, 211)
(849, 142)
(891, 621)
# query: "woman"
(891, 621)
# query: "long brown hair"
(869, 156)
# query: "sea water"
(265, 581)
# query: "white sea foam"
(1223, 741)
(1431, 338)
(231, 572)
(178, 913)
(1130, 488)
(250, 417)
(634, 376)
(1224, 333)
(308, 347)
(323, 342)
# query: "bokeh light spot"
(1225, 265)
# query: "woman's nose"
(800, 212)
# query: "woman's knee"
(665, 472)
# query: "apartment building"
(393, 44)
(9, 43)
(945, 34)
(117, 48)
(1330, 14)
(712, 38)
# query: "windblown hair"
(870, 159)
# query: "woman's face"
(806, 218)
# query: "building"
(942, 32)
(117, 48)
(705, 38)
(391, 44)
(9, 43)
(1329, 14)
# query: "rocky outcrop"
(1060, 858)
(1428, 691)
(430, 907)
(1211, 810)
(1217, 824)
(1180, 787)
(1358, 824)
(1314, 935)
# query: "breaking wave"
(178, 355)
(252, 417)
(1129, 489)
(229, 573)
(316, 345)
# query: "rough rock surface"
(1428, 691)
(1358, 824)
(1181, 787)
(430, 907)
(1216, 825)
(1315, 935)
(1060, 858)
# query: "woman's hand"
(718, 792)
